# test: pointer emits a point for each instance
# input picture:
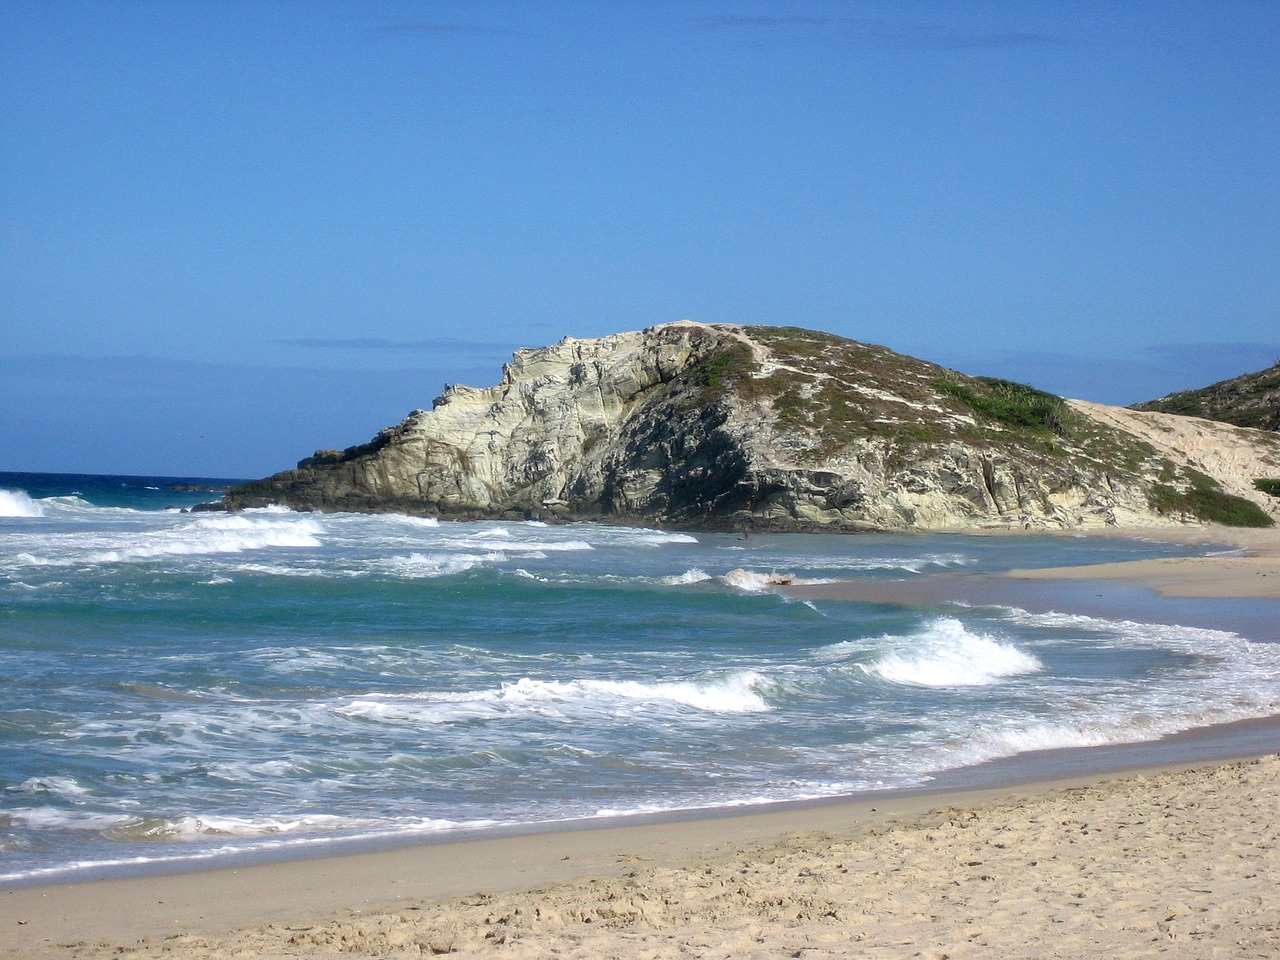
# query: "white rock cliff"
(691, 424)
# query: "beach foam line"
(1175, 860)
(732, 693)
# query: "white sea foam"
(425, 566)
(207, 536)
(946, 654)
(906, 564)
(124, 826)
(693, 575)
(751, 581)
(601, 535)
(424, 523)
(737, 692)
(214, 825)
(1194, 640)
(649, 538)
(733, 693)
(500, 541)
(65, 787)
(16, 503)
(550, 546)
(298, 660)
(1223, 678)
(249, 772)
(788, 792)
(76, 507)
(284, 570)
(270, 833)
(1014, 739)
(59, 818)
(1095, 728)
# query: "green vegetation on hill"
(836, 391)
(1251, 400)
(1205, 500)
(793, 428)
(1268, 485)
(1009, 403)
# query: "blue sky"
(236, 232)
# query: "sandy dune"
(1234, 456)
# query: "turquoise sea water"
(179, 687)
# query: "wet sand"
(1254, 573)
(1178, 862)
(1234, 588)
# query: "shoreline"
(1254, 573)
(395, 886)
(1029, 769)
(1233, 588)
(215, 912)
(1251, 571)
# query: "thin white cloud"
(382, 344)
(877, 32)
(437, 28)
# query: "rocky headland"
(1249, 400)
(695, 425)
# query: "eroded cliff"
(689, 424)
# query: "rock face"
(688, 424)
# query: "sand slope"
(1178, 864)
(1234, 456)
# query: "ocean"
(182, 688)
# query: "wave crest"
(946, 654)
(732, 693)
(17, 503)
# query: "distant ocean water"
(179, 687)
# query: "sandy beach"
(1179, 862)
(1252, 571)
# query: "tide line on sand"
(1180, 863)
(1252, 574)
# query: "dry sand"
(1177, 864)
(1252, 572)
(1174, 863)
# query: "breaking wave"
(572, 699)
(16, 503)
(205, 536)
(947, 654)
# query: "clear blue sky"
(236, 232)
